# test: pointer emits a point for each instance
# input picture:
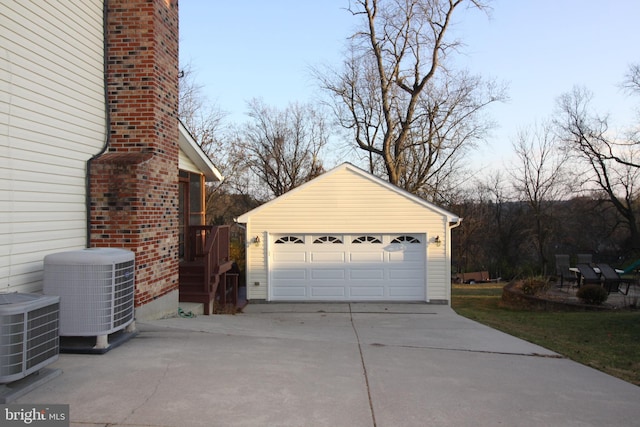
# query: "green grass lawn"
(608, 341)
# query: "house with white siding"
(348, 235)
(92, 153)
(52, 120)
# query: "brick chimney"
(134, 184)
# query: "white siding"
(348, 202)
(52, 120)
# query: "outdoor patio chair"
(588, 275)
(584, 259)
(562, 270)
(612, 279)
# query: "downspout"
(239, 224)
(452, 224)
(107, 115)
(455, 224)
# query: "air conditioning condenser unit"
(96, 288)
(28, 334)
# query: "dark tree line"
(495, 235)
(574, 189)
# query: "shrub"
(592, 294)
(534, 285)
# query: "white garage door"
(340, 267)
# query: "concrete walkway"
(333, 365)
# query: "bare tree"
(201, 117)
(407, 111)
(613, 165)
(540, 180)
(492, 236)
(632, 79)
(631, 84)
(205, 121)
(590, 132)
(505, 225)
(282, 147)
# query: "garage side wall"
(347, 202)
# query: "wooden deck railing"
(209, 248)
(208, 241)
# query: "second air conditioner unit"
(28, 334)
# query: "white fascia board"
(190, 147)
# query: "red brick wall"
(134, 185)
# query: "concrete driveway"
(333, 365)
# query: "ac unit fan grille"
(42, 335)
(123, 294)
(29, 337)
(12, 347)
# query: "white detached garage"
(348, 235)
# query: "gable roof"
(193, 151)
(364, 174)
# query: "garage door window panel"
(406, 239)
(367, 239)
(328, 239)
(290, 239)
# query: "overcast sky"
(540, 48)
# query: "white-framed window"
(367, 239)
(290, 239)
(328, 239)
(405, 239)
